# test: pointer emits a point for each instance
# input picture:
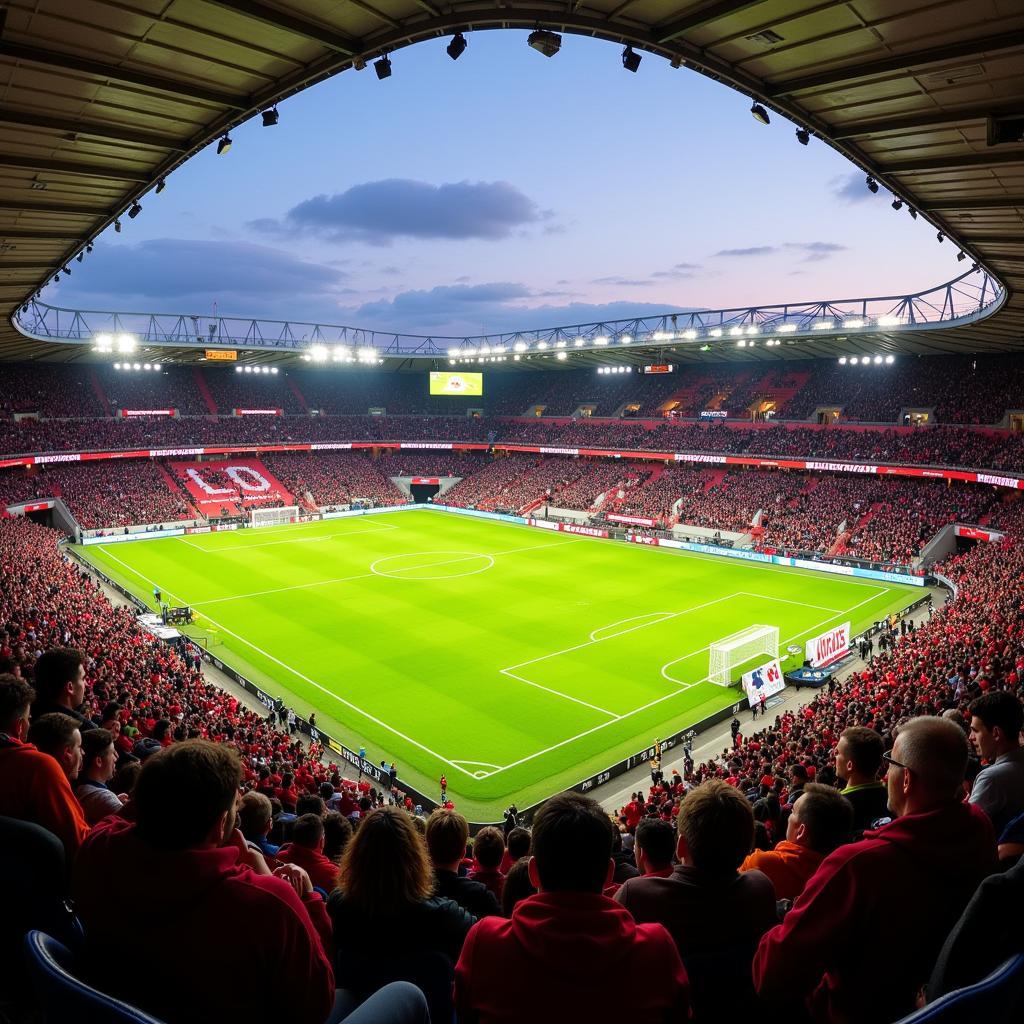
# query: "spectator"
(59, 681)
(907, 882)
(566, 952)
(488, 851)
(447, 834)
(34, 786)
(714, 914)
(337, 835)
(99, 758)
(820, 821)
(858, 759)
(307, 850)
(517, 846)
(58, 735)
(216, 913)
(385, 901)
(518, 886)
(655, 845)
(996, 720)
(255, 820)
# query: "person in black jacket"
(447, 835)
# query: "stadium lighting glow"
(753, 329)
(601, 340)
(117, 366)
(500, 349)
(735, 331)
(238, 369)
(690, 335)
(715, 333)
(888, 321)
(318, 353)
(145, 366)
(126, 343)
(103, 343)
(742, 343)
(248, 369)
(339, 354)
(520, 346)
(853, 360)
(367, 354)
(786, 328)
(469, 351)
(890, 359)
(853, 323)
(842, 360)
(877, 360)
(823, 325)
(540, 345)
(453, 352)
(625, 340)
(451, 362)
(559, 344)
(136, 366)
(580, 342)
(563, 355)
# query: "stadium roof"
(101, 100)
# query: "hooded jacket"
(212, 940)
(864, 934)
(789, 866)
(562, 956)
(36, 789)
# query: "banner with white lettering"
(763, 681)
(829, 647)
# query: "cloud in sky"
(851, 188)
(753, 250)
(379, 212)
(812, 251)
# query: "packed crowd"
(331, 478)
(101, 494)
(173, 387)
(596, 479)
(517, 481)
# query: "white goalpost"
(734, 650)
(274, 516)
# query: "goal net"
(733, 651)
(274, 516)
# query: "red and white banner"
(829, 647)
(426, 444)
(425, 480)
(128, 413)
(216, 485)
(259, 412)
(976, 533)
(637, 538)
(37, 506)
(586, 531)
(614, 517)
(763, 681)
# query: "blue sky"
(507, 190)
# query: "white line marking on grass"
(305, 678)
(291, 540)
(558, 693)
(633, 618)
(674, 693)
(281, 590)
(786, 600)
(463, 557)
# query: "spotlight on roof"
(548, 43)
(961, 256)
(117, 225)
(134, 210)
(382, 67)
(890, 359)
(160, 186)
(940, 237)
(842, 360)
(66, 269)
(912, 212)
(269, 117)
(457, 47)
(759, 113)
(80, 257)
(631, 60)
(897, 203)
(224, 145)
(803, 136)
(88, 247)
(872, 185)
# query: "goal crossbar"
(738, 648)
(274, 516)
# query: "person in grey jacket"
(996, 722)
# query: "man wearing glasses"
(904, 884)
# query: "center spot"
(432, 565)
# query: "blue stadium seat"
(997, 999)
(65, 997)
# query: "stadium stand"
(335, 478)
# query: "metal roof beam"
(296, 26)
(69, 62)
(41, 236)
(74, 127)
(56, 208)
(944, 163)
(706, 15)
(26, 265)
(974, 203)
(916, 122)
(902, 62)
(32, 163)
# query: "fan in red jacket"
(211, 919)
(307, 850)
(565, 951)
(867, 929)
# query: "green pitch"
(517, 661)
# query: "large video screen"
(456, 383)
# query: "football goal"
(735, 650)
(274, 516)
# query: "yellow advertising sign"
(228, 355)
(442, 383)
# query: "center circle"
(431, 565)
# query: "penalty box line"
(312, 682)
(676, 692)
(290, 540)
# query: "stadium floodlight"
(453, 352)
(238, 369)
(520, 346)
(853, 360)
(823, 325)
(117, 225)
(103, 343)
(786, 328)
(134, 210)
(961, 256)
(897, 203)
(548, 43)
(367, 354)
(160, 186)
(224, 145)
(601, 340)
(690, 335)
(248, 369)
(742, 343)
(382, 67)
(270, 117)
(318, 353)
(117, 366)
(126, 343)
(890, 359)
(457, 46)
(803, 136)
(753, 329)
(715, 332)
(631, 60)
(340, 353)
(80, 257)
(563, 355)
(872, 185)
(626, 339)
(146, 366)
(580, 342)
(759, 113)
(912, 212)
(842, 360)
(940, 237)
(888, 321)
(469, 351)
(88, 247)
(561, 343)
(877, 360)
(485, 350)
(853, 323)
(541, 345)
(135, 366)
(735, 331)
